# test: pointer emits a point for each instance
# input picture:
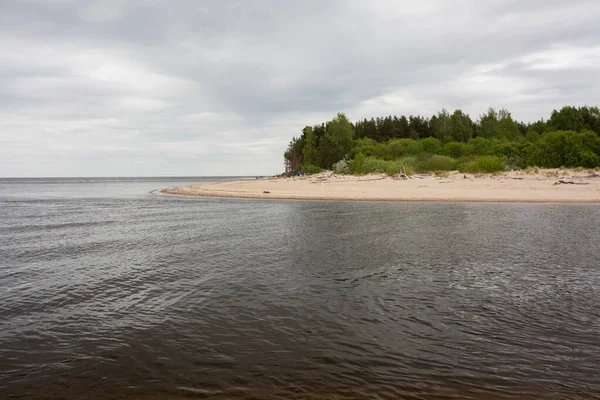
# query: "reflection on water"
(111, 293)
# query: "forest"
(448, 141)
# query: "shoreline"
(513, 187)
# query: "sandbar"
(541, 186)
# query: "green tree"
(441, 126)
(310, 151)
(507, 128)
(569, 118)
(488, 123)
(293, 155)
(591, 118)
(338, 140)
(461, 126)
(581, 150)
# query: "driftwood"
(569, 182)
(403, 175)
(372, 179)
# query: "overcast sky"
(199, 87)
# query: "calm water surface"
(108, 291)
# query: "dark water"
(108, 291)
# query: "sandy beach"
(514, 186)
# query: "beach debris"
(371, 179)
(403, 175)
(569, 182)
(266, 191)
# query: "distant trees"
(461, 127)
(569, 138)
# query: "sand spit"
(541, 186)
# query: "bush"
(405, 163)
(364, 165)
(506, 149)
(480, 146)
(368, 147)
(401, 147)
(373, 164)
(310, 169)
(342, 167)
(437, 163)
(483, 164)
(454, 149)
(431, 145)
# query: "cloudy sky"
(199, 87)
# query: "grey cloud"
(133, 87)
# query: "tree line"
(569, 138)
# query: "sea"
(111, 290)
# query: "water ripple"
(145, 296)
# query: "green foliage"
(483, 164)
(582, 150)
(401, 147)
(488, 123)
(461, 127)
(441, 127)
(507, 128)
(569, 118)
(437, 163)
(368, 147)
(310, 152)
(362, 165)
(329, 151)
(455, 149)
(480, 146)
(506, 149)
(570, 138)
(293, 155)
(550, 150)
(406, 164)
(310, 169)
(532, 136)
(338, 140)
(431, 145)
(591, 118)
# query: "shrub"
(506, 149)
(363, 165)
(480, 146)
(431, 145)
(483, 164)
(437, 163)
(549, 151)
(405, 163)
(402, 147)
(368, 147)
(373, 164)
(310, 169)
(454, 149)
(342, 167)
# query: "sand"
(516, 186)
